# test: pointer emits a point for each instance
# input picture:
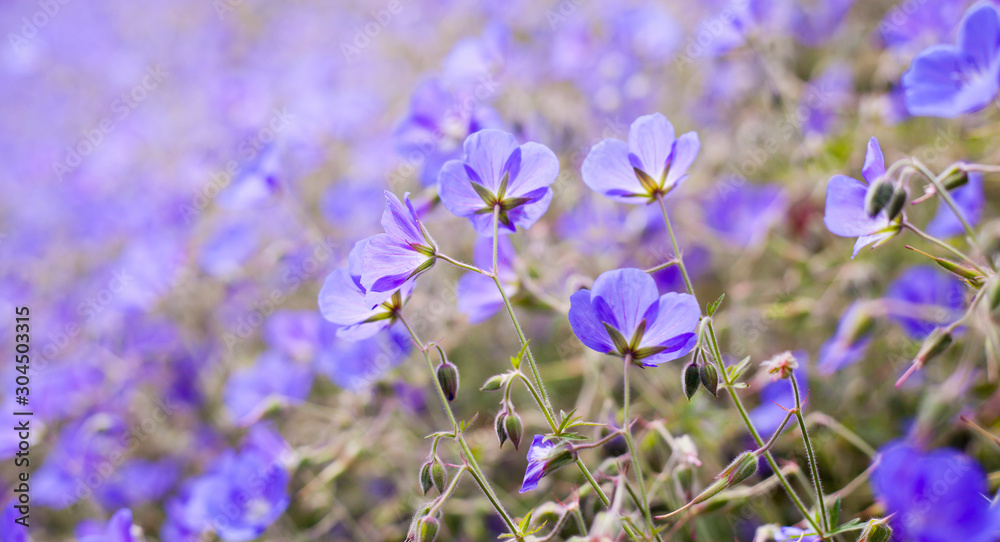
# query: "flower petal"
(651, 139)
(874, 162)
(677, 314)
(455, 190)
(539, 169)
(845, 208)
(607, 171)
(487, 152)
(685, 151)
(586, 325)
(627, 293)
(386, 267)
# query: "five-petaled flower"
(393, 258)
(951, 80)
(624, 315)
(498, 176)
(649, 166)
(845, 213)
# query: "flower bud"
(743, 467)
(427, 529)
(447, 375)
(500, 423)
(937, 342)
(439, 476)
(425, 477)
(878, 196)
(494, 383)
(877, 530)
(514, 428)
(690, 380)
(896, 203)
(710, 378)
(956, 179)
(561, 455)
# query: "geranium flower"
(951, 80)
(845, 205)
(496, 172)
(624, 315)
(931, 289)
(344, 301)
(545, 456)
(650, 165)
(393, 258)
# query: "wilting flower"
(951, 80)
(850, 342)
(769, 415)
(649, 166)
(932, 297)
(969, 199)
(497, 173)
(393, 258)
(478, 297)
(781, 366)
(624, 315)
(343, 300)
(935, 496)
(845, 204)
(118, 529)
(545, 456)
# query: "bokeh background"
(179, 177)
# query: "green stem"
(811, 454)
(717, 354)
(633, 451)
(474, 469)
(931, 239)
(462, 265)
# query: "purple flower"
(10, 530)
(741, 214)
(293, 332)
(344, 301)
(355, 365)
(935, 496)
(932, 291)
(478, 297)
(497, 172)
(969, 199)
(392, 258)
(239, 496)
(850, 342)
(271, 381)
(649, 166)
(544, 457)
(118, 529)
(951, 80)
(845, 205)
(624, 315)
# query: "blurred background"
(180, 177)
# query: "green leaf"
(572, 436)
(715, 304)
(736, 371)
(516, 360)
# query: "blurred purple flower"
(119, 490)
(10, 530)
(624, 315)
(951, 80)
(255, 184)
(478, 297)
(393, 258)
(342, 300)
(969, 199)
(355, 365)
(228, 249)
(273, 380)
(497, 172)
(935, 496)
(295, 333)
(741, 214)
(794, 534)
(118, 529)
(814, 23)
(849, 342)
(650, 165)
(845, 205)
(932, 290)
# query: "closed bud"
(896, 203)
(710, 378)
(690, 379)
(514, 429)
(743, 467)
(878, 196)
(937, 342)
(447, 375)
(876, 530)
(439, 476)
(500, 423)
(427, 529)
(425, 477)
(955, 179)
(494, 383)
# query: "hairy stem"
(811, 454)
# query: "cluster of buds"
(883, 195)
(433, 474)
(508, 425)
(697, 374)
